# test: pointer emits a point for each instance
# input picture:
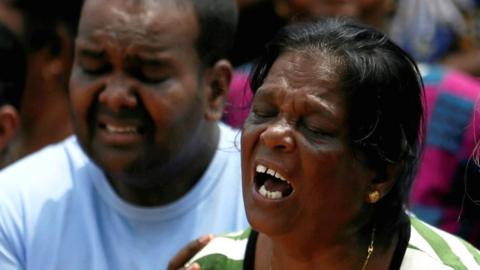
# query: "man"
(12, 83)
(149, 168)
(47, 30)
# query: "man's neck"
(168, 182)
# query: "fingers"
(186, 253)
(193, 266)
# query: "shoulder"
(431, 247)
(224, 252)
(229, 137)
(229, 145)
(40, 177)
(51, 161)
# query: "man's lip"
(113, 131)
(121, 129)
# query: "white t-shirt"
(57, 211)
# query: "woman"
(328, 153)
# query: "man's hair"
(218, 21)
(384, 93)
(12, 68)
(41, 19)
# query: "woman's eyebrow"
(318, 103)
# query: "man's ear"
(9, 124)
(382, 183)
(218, 83)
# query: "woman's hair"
(384, 93)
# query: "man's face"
(136, 87)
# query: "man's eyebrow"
(88, 52)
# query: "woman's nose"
(118, 94)
(279, 135)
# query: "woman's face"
(299, 172)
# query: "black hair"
(218, 22)
(42, 19)
(12, 68)
(384, 93)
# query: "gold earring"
(374, 196)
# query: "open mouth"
(271, 184)
(122, 129)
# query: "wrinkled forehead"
(315, 62)
(143, 21)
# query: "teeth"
(263, 169)
(271, 172)
(279, 176)
(117, 129)
(270, 194)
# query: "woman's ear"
(382, 184)
(218, 83)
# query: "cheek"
(82, 97)
(331, 175)
(79, 100)
(250, 135)
(249, 139)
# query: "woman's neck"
(346, 253)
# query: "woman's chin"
(268, 221)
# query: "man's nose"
(118, 93)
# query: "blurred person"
(440, 31)
(12, 83)
(150, 167)
(47, 30)
(446, 190)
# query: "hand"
(185, 254)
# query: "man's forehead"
(138, 20)
(140, 12)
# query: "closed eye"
(92, 62)
(315, 130)
(262, 111)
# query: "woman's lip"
(257, 195)
(280, 171)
